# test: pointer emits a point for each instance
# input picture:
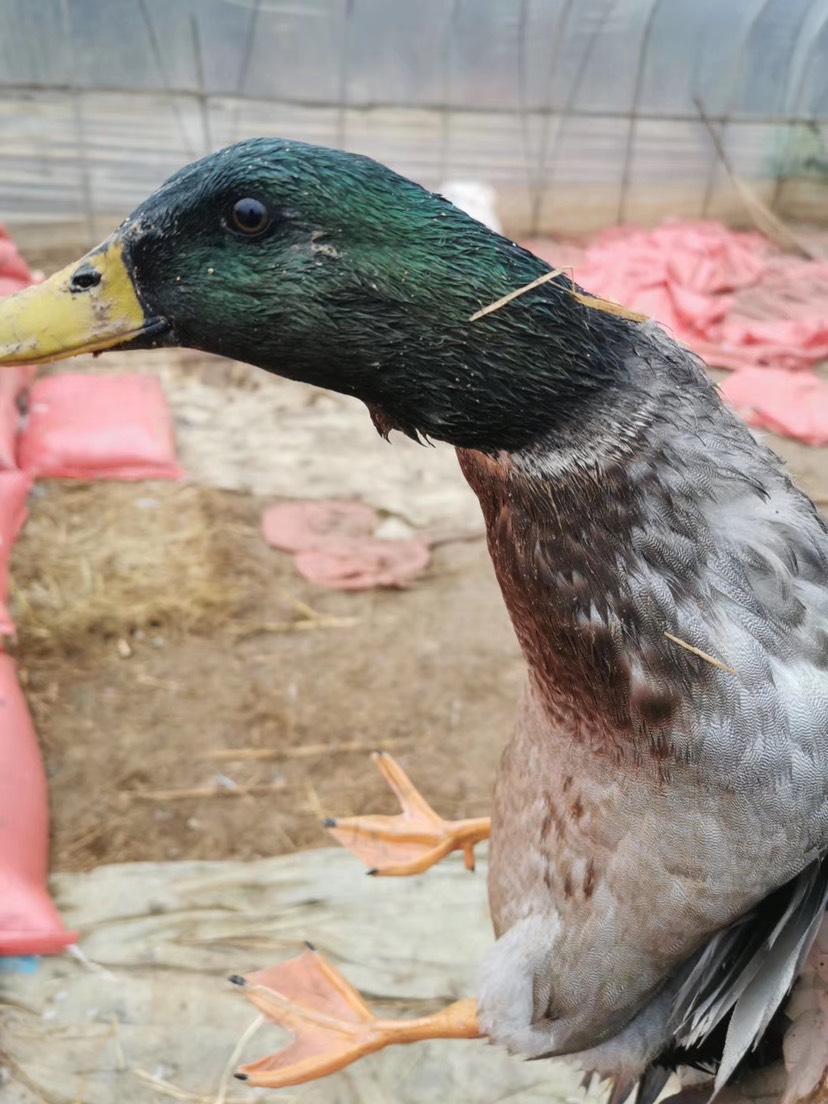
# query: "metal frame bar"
(569, 111)
(646, 37)
(738, 69)
(344, 67)
(80, 130)
(155, 47)
(10, 91)
(796, 101)
(244, 68)
(537, 189)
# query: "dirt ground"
(165, 649)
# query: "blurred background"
(581, 113)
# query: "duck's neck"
(553, 537)
(400, 337)
(584, 543)
(548, 372)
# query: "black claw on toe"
(329, 822)
(310, 946)
(237, 979)
(372, 873)
(241, 1076)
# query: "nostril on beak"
(84, 279)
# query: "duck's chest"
(635, 870)
(589, 610)
(642, 781)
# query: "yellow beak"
(89, 306)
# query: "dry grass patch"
(100, 561)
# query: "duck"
(657, 874)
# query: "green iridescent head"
(329, 268)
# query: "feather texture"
(750, 959)
(744, 974)
(774, 969)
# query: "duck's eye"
(249, 217)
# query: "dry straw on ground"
(100, 561)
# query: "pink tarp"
(793, 404)
(29, 922)
(334, 545)
(731, 297)
(83, 427)
(12, 265)
(14, 491)
(14, 382)
(15, 275)
(725, 293)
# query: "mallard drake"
(660, 820)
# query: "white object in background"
(475, 198)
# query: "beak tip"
(62, 317)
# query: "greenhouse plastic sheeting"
(580, 113)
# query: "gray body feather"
(662, 799)
(748, 970)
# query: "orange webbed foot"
(412, 841)
(331, 1024)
